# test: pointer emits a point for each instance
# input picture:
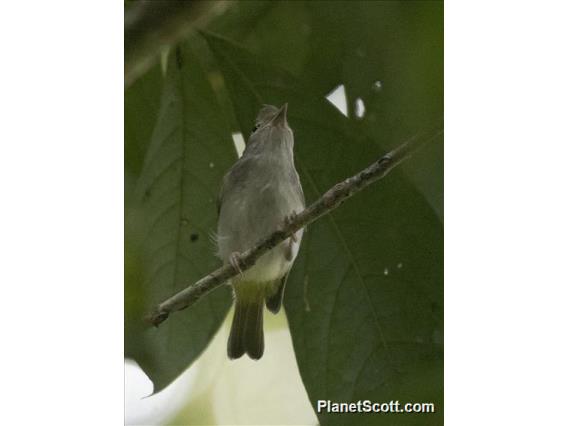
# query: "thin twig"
(326, 203)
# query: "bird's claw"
(235, 261)
(288, 220)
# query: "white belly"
(274, 264)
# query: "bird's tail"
(247, 333)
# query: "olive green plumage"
(260, 191)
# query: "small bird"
(260, 193)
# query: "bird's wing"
(235, 177)
(298, 186)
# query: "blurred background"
(360, 77)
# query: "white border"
(61, 157)
(505, 212)
(61, 224)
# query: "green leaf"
(242, 18)
(189, 152)
(364, 300)
(141, 104)
(281, 37)
(400, 45)
(356, 44)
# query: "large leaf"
(364, 300)
(190, 150)
(141, 105)
(400, 45)
(356, 44)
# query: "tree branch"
(326, 203)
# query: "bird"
(259, 194)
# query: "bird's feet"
(288, 220)
(235, 261)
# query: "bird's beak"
(280, 117)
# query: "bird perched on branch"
(260, 193)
